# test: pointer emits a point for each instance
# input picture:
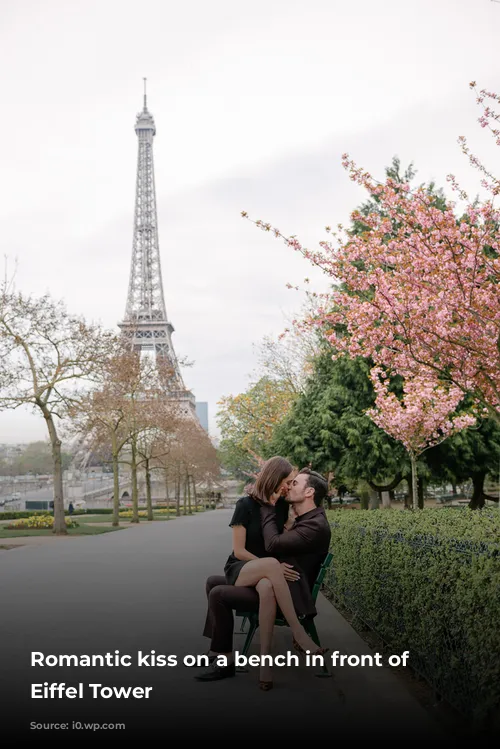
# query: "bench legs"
(254, 623)
(311, 630)
(309, 626)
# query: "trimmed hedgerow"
(427, 582)
(98, 511)
(15, 514)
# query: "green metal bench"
(253, 618)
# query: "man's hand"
(273, 499)
(289, 573)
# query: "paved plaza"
(143, 589)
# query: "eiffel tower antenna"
(145, 323)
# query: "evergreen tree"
(328, 428)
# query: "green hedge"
(427, 582)
(142, 508)
(14, 515)
(100, 511)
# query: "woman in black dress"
(250, 565)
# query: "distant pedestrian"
(71, 509)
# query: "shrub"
(163, 510)
(166, 511)
(427, 582)
(99, 511)
(14, 514)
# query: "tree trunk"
(195, 495)
(116, 487)
(184, 498)
(386, 501)
(408, 500)
(59, 527)
(374, 500)
(149, 503)
(421, 487)
(135, 499)
(178, 494)
(167, 497)
(414, 481)
(386, 487)
(477, 499)
(188, 482)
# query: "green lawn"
(82, 530)
(108, 518)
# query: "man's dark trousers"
(222, 599)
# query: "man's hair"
(270, 477)
(317, 482)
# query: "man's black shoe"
(215, 672)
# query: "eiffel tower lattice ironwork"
(145, 322)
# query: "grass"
(83, 529)
(109, 519)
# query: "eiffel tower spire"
(146, 323)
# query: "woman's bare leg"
(253, 572)
(267, 617)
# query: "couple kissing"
(281, 537)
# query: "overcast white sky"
(254, 104)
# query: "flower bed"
(37, 522)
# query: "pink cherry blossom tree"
(422, 419)
(419, 290)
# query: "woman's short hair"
(317, 482)
(272, 473)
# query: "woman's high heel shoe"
(266, 684)
(319, 651)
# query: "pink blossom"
(423, 417)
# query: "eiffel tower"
(145, 322)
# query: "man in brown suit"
(304, 546)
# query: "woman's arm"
(291, 519)
(239, 539)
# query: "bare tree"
(105, 417)
(47, 358)
(127, 412)
(289, 357)
(163, 462)
(193, 459)
(158, 421)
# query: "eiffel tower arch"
(145, 323)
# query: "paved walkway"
(143, 589)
